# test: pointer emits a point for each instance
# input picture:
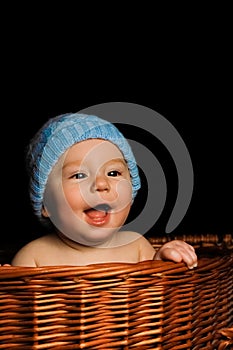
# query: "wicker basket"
(148, 305)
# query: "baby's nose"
(101, 183)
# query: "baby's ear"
(45, 212)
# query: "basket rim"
(148, 267)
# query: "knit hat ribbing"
(60, 133)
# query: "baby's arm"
(177, 251)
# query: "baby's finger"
(187, 253)
(178, 251)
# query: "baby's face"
(89, 193)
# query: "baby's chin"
(95, 237)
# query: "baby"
(83, 181)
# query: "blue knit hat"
(60, 133)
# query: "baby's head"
(56, 136)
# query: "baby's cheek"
(124, 193)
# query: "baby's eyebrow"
(78, 162)
(70, 164)
(117, 160)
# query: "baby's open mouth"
(105, 208)
(98, 215)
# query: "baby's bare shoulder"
(141, 244)
(27, 254)
(41, 241)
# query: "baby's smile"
(99, 215)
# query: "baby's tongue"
(93, 213)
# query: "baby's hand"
(177, 251)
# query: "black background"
(185, 74)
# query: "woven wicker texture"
(149, 305)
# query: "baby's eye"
(114, 173)
(80, 176)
